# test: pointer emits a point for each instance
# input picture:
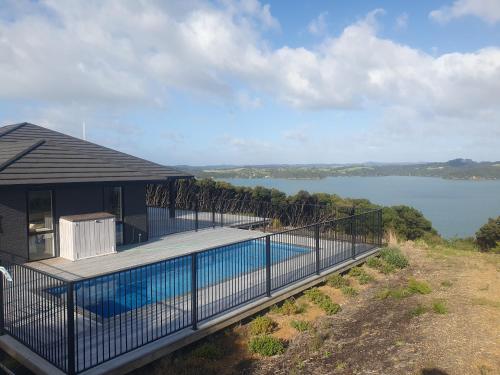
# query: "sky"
(228, 82)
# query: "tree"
(488, 236)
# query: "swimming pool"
(123, 291)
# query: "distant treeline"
(300, 209)
(453, 169)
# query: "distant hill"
(462, 169)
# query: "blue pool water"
(107, 296)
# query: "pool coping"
(150, 352)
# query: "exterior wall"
(71, 199)
(135, 217)
(13, 225)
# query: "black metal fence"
(246, 214)
(80, 324)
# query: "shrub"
(383, 293)
(374, 262)
(317, 297)
(262, 325)
(360, 274)
(381, 265)
(337, 281)
(439, 307)
(349, 291)
(488, 236)
(300, 325)
(314, 294)
(207, 351)
(407, 222)
(330, 307)
(420, 287)
(419, 310)
(394, 257)
(266, 345)
(289, 307)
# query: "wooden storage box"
(87, 236)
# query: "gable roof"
(31, 154)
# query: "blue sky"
(248, 82)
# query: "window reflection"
(40, 225)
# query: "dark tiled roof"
(31, 154)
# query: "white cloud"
(402, 21)
(318, 26)
(487, 10)
(120, 54)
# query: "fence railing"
(81, 324)
(269, 217)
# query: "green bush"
(300, 325)
(420, 287)
(381, 265)
(337, 281)
(319, 298)
(266, 345)
(374, 262)
(329, 307)
(407, 222)
(361, 275)
(262, 325)
(349, 291)
(207, 351)
(419, 310)
(488, 236)
(413, 287)
(289, 307)
(394, 257)
(439, 307)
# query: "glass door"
(113, 205)
(40, 225)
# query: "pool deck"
(157, 249)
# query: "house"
(46, 175)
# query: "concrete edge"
(161, 347)
(26, 357)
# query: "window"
(113, 205)
(40, 225)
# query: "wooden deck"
(134, 255)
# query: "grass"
(349, 291)
(418, 310)
(289, 307)
(361, 275)
(266, 345)
(439, 307)
(337, 281)
(413, 287)
(262, 325)
(380, 265)
(319, 298)
(394, 257)
(486, 302)
(207, 351)
(420, 287)
(300, 325)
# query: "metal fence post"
(213, 216)
(196, 222)
(353, 235)
(2, 318)
(194, 292)
(221, 216)
(380, 228)
(316, 237)
(268, 266)
(70, 336)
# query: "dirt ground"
(380, 336)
